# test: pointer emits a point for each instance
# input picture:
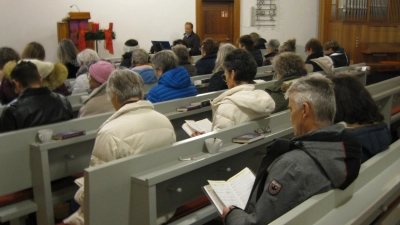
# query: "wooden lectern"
(68, 28)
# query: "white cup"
(45, 135)
(213, 145)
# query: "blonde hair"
(224, 50)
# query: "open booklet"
(191, 126)
(235, 191)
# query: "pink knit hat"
(101, 71)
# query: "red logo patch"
(274, 187)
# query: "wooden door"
(218, 21)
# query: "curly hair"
(210, 46)
(334, 45)
(288, 64)
(8, 54)
(353, 102)
(243, 63)
(288, 46)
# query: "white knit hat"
(44, 68)
(130, 48)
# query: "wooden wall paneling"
(324, 17)
(352, 36)
(236, 21)
(199, 19)
(62, 31)
(335, 32)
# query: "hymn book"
(192, 126)
(235, 191)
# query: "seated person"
(320, 157)
(36, 105)
(130, 130)
(140, 65)
(288, 67)
(246, 43)
(206, 64)
(316, 58)
(173, 81)
(272, 51)
(34, 50)
(288, 46)
(338, 56)
(85, 58)
(217, 82)
(66, 54)
(7, 93)
(242, 102)
(129, 46)
(97, 101)
(183, 56)
(356, 109)
(259, 42)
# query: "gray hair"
(224, 50)
(181, 51)
(273, 44)
(288, 46)
(125, 84)
(317, 90)
(87, 55)
(165, 60)
(140, 56)
(66, 51)
(288, 64)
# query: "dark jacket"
(206, 64)
(72, 70)
(189, 68)
(268, 58)
(216, 82)
(315, 55)
(294, 170)
(172, 84)
(278, 90)
(339, 59)
(260, 44)
(193, 42)
(126, 60)
(257, 56)
(373, 139)
(7, 93)
(35, 107)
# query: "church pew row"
(169, 183)
(19, 152)
(377, 185)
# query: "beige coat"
(97, 103)
(130, 130)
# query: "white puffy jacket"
(240, 104)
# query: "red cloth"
(396, 110)
(108, 39)
(82, 40)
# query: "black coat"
(315, 55)
(35, 107)
(216, 82)
(206, 64)
(126, 60)
(257, 56)
(193, 42)
(339, 59)
(72, 70)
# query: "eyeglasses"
(223, 77)
(263, 130)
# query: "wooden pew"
(159, 188)
(377, 185)
(158, 175)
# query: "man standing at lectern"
(192, 39)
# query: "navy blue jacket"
(172, 84)
(206, 64)
(373, 139)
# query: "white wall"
(295, 18)
(23, 21)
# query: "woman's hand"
(225, 212)
(196, 133)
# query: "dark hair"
(314, 45)
(34, 50)
(8, 54)
(246, 41)
(243, 63)
(26, 73)
(189, 23)
(179, 42)
(210, 46)
(131, 42)
(334, 45)
(354, 104)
